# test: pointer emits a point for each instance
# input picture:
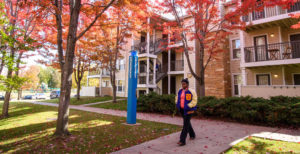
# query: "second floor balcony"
(273, 52)
(278, 12)
(177, 65)
(99, 73)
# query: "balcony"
(269, 12)
(158, 45)
(177, 65)
(273, 52)
(97, 73)
(142, 79)
(93, 73)
(268, 91)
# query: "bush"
(154, 102)
(279, 110)
(276, 111)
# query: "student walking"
(186, 102)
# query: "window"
(120, 86)
(121, 64)
(105, 83)
(236, 82)
(236, 49)
(296, 78)
(263, 79)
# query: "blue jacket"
(190, 100)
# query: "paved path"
(212, 136)
(101, 102)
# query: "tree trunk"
(78, 91)
(114, 93)
(6, 104)
(64, 100)
(7, 97)
(19, 94)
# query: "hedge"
(276, 111)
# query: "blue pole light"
(132, 85)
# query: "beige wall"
(289, 71)
(276, 74)
(178, 82)
(267, 91)
(285, 32)
(249, 37)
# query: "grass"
(83, 100)
(30, 128)
(120, 105)
(253, 145)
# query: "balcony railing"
(97, 72)
(105, 73)
(92, 73)
(177, 65)
(270, 12)
(270, 52)
(158, 46)
(142, 80)
(141, 47)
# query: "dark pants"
(187, 127)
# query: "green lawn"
(120, 105)
(253, 145)
(30, 129)
(83, 100)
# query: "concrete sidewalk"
(212, 136)
(90, 104)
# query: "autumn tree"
(17, 31)
(211, 21)
(82, 62)
(31, 74)
(124, 21)
(66, 16)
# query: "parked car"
(1, 97)
(55, 94)
(28, 97)
(39, 96)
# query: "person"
(186, 102)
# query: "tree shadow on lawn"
(90, 132)
(256, 146)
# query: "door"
(236, 82)
(165, 85)
(295, 44)
(173, 60)
(296, 79)
(173, 85)
(165, 60)
(260, 45)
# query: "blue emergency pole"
(132, 85)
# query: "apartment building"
(265, 58)
(162, 66)
(261, 61)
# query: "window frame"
(122, 85)
(233, 90)
(262, 74)
(232, 49)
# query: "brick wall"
(217, 76)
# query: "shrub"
(279, 110)
(154, 102)
(276, 111)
